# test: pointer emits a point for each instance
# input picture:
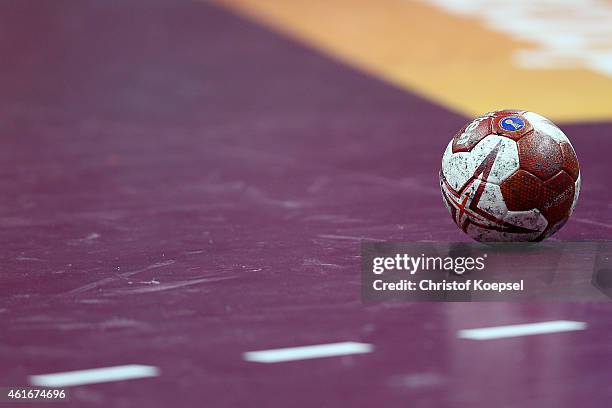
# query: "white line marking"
(308, 352)
(517, 330)
(347, 237)
(94, 375)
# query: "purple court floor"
(181, 186)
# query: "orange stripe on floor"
(451, 59)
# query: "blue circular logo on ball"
(512, 123)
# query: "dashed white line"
(94, 375)
(308, 352)
(517, 330)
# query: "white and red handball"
(510, 176)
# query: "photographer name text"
(427, 285)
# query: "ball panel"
(506, 162)
(553, 198)
(478, 202)
(576, 194)
(557, 198)
(521, 191)
(570, 161)
(455, 167)
(543, 126)
(445, 199)
(531, 219)
(492, 203)
(498, 153)
(577, 186)
(540, 155)
(471, 134)
(561, 184)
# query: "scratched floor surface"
(180, 186)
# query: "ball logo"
(512, 123)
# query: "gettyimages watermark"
(464, 272)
